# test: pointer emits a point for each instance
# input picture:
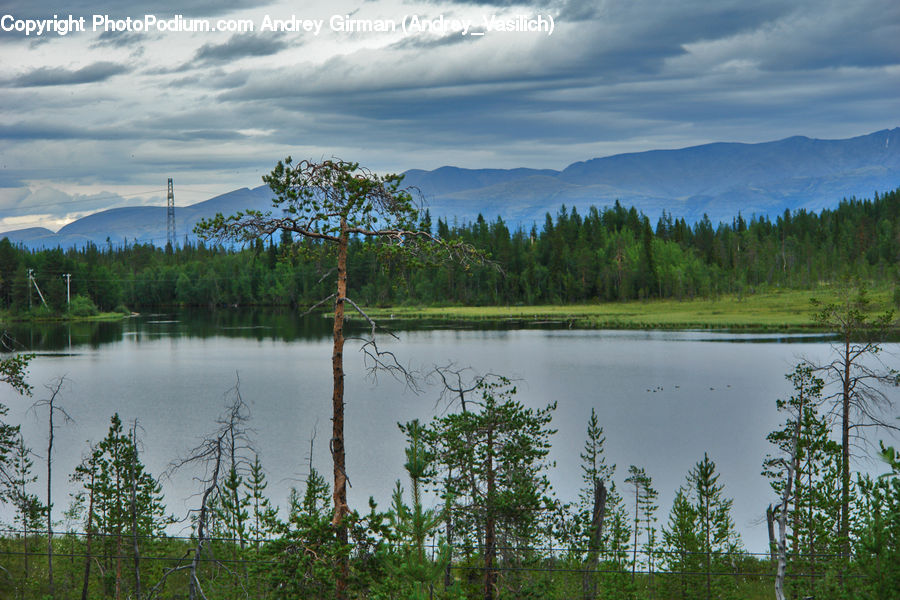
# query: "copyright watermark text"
(410, 24)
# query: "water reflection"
(288, 326)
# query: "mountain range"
(718, 180)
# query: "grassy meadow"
(780, 310)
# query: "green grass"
(50, 317)
(779, 310)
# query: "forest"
(477, 516)
(609, 254)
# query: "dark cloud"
(48, 76)
(216, 79)
(151, 129)
(117, 39)
(115, 8)
(855, 34)
(240, 46)
(426, 43)
(616, 76)
(44, 130)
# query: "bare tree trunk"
(792, 467)
(134, 533)
(49, 503)
(337, 402)
(588, 584)
(782, 531)
(49, 403)
(90, 538)
(637, 488)
(490, 549)
(845, 453)
(119, 549)
(448, 508)
(770, 521)
(194, 585)
(706, 518)
(812, 538)
(25, 512)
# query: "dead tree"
(588, 582)
(134, 516)
(859, 401)
(210, 456)
(88, 469)
(786, 467)
(781, 546)
(52, 408)
(455, 382)
(770, 523)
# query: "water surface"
(663, 397)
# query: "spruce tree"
(128, 501)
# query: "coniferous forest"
(608, 254)
(476, 516)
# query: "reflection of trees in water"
(56, 336)
(259, 324)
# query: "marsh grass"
(781, 310)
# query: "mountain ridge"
(719, 180)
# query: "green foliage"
(323, 202)
(306, 551)
(858, 397)
(415, 572)
(82, 306)
(700, 537)
(114, 475)
(814, 501)
(13, 371)
(644, 498)
(492, 464)
(605, 254)
(263, 515)
(877, 551)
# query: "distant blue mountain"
(142, 224)
(718, 180)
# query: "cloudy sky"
(98, 119)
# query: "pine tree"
(859, 399)
(127, 500)
(415, 573)
(263, 515)
(805, 436)
(263, 522)
(492, 463)
(305, 556)
(700, 536)
(717, 533)
(30, 512)
(644, 497)
(681, 538)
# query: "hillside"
(719, 180)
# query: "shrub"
(82, 306)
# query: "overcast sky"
(93, 119)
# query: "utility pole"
(34, 282)
(68, 277)
(170, 215)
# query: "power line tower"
(170, 215)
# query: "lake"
(663, 397)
